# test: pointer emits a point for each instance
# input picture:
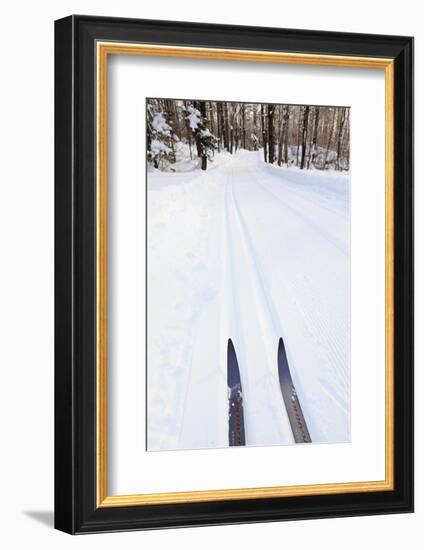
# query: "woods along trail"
(250, 252)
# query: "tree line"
(288, 135)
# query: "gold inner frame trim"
(103, 50)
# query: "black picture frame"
(76, 509)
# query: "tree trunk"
(149, 118)
(304, 136)
(230, 130)
(225, 126)
(346, 138)
(204, 152)
(211, 117)
(283, 123)
(243, 128)
(313, 153)
(218, 124)
(339, 139)
(201, 151)
(330, 139)
(286, 137)
(255, 117)
(255, 126)
(271, 143)
(299, 134)
(264, 132)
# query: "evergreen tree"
(205, 140)
(159, 138)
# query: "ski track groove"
(275, 320)
(290, 185)
(264, 307)
(313, 323)
(336, 345)
(329, 238)
(233, 323)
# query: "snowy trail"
(241, 252)
(254, 332)
(309, 286)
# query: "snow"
(250, 252)
(160, 125)
(193, 117)
(158, 147)
(185, 162)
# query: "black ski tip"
(230, 347)
(233, 373)
(281, 347)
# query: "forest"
(187, 134)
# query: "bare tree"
(226, 128)
(299, 133)
(340, 138)
(264, 131)
(313, 148)
(271, 142)
(330, 139)
(304, 135)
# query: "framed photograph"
(234, 274)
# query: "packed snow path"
(250, 252)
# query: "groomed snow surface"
(250, 252)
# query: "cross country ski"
(236, 433)
(291, 401)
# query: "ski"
(291, 401)
(236, 433)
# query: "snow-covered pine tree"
(205, 140)
(159, 138)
